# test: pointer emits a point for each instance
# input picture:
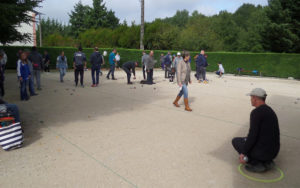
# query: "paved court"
(131, 136)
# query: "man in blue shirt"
(201, 64)
(112, 62)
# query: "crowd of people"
(257, 150)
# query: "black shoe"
(82, 85)
(35, 94)
(107, 77)
(114, 79)
(129, 83)
(269, 165)
(257, 168)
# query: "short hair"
(80, 48)
(262, 98)
(96, 48)
(185, 54)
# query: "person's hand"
(134, 78)
(190, 81)
(29, 76)
(148, 70)
(21, 79)
(242, 159)
(180, 85)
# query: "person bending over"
(262, 144)
(129, 67)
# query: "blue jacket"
(112, 57)
(23, 70)
(62, 63)
(201, 61)
(167, 60)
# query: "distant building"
(28, 28)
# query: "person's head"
(178, 54)
(19, 52)
(23, 56)
(258, 97)
(151, 53)
(169, 53)
(220, 63)
(136, 63)
(80, 49)
(114, 51)
(62, 53)
(33, 48)
(161, 54)
(186, 56)
(202, 52)
(96, 49)
(144, 52)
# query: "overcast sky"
(129, 10)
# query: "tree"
(282, 28)
(13, 13)
(142, 24)
(102, 17)
(80, 19)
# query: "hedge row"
(269, 64)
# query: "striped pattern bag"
(11, 136)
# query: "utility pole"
(142, 24)
(40, 27)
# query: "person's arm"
(19, 69)
(253, 132)
(178, 74)
(57, 62)
(133, 71)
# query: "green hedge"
(269, 64)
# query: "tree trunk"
(142, 24)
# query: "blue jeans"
(62, 73)
(24, 83)
(97, 71)
(112, 71)
(13, 109)
(31, 86)
(184, 91)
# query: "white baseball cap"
(259, 92)
(178, 53)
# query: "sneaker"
(257, 168)
(93, 85)
(107, 77)
(269, 165)
(205, 82)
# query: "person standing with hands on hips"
(79, 64)
(183, 79)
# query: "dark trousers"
(23, 90)
(128, 73)
(2, 88)
(79, 70)
(144, 72)
(112, 71)
(239, 144)
(97, 71)
(201, 71)
(47, 68)
(150, 76)
(167, 69)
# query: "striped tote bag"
(11, 136)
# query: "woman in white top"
(118, 58)
(221, 70)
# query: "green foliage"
(269, 64)
(12, 14)
(282, 28)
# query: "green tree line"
(272, 28)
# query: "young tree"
(12, 14)
(142, 24)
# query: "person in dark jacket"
(79, 64)
(167, 64)
(262, 144)
(96, 60)
(1, 77)
(37, 62)
(129, 67)
(201, 64)
(46, 60)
